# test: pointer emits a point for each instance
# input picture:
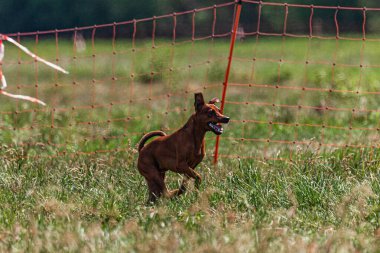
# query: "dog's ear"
(199, 101)
(214, 100)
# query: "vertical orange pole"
(227, 74)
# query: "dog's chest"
(195, 156)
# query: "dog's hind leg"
(156, 185)
(154, 192)
(166, 192)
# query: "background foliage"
(34, 15)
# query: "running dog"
(181, 151)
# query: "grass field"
(316, 204)
(68, 177)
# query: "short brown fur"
(181, 151)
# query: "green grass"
(97, 203)
(68, 177)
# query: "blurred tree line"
(34, 15)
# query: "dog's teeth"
(216, 127)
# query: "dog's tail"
(148, 136)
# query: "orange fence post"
(227, 73)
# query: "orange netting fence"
(286, 91)
(313, 90)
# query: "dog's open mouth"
(216, 128)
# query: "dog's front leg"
(185, 169)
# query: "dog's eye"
(210, 113)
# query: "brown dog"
(181, 151)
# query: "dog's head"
(209, 115)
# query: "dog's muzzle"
(217, 127)
(225, 120)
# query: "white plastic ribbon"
(52, 65)
(1, 50)
(2, 77)
(3, 81)
(31, 99)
